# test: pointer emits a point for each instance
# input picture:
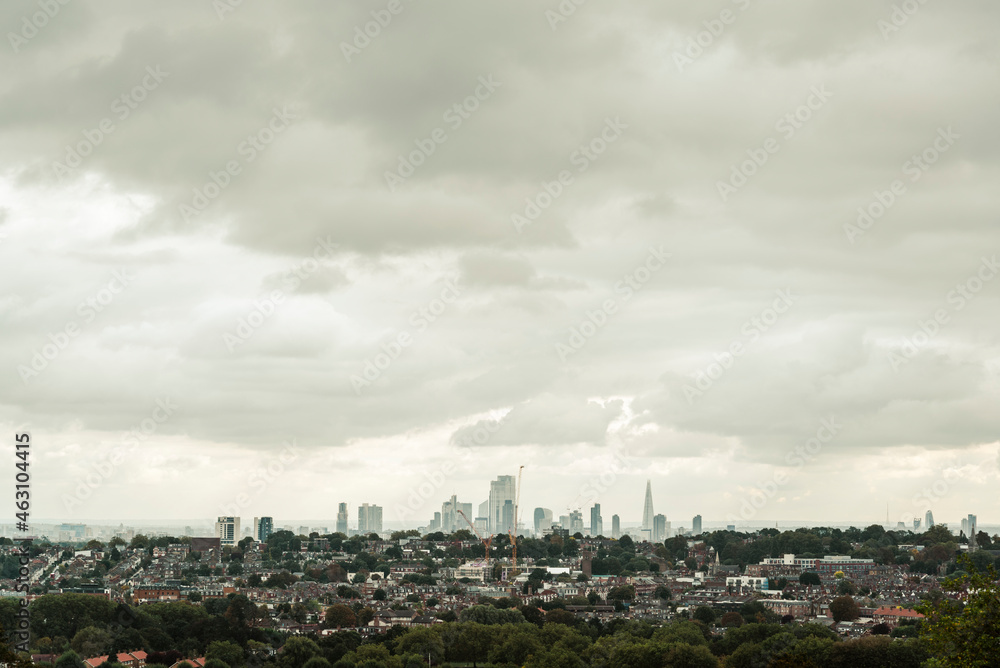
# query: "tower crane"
(487, 542)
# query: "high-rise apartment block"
(696, 525)
(369, 519)
(342, 518)
(227, 530)
(262, 528)
(596, 521)
(659, 528)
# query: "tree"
(422, 642)
(91, 641)
(704, 614)
(731, 619)
(966, 633)
(881, 629)
(228, 652)
(379, 595)
(69, 660)
(341, 616)
(297, 651)
(810, 578)
(844, 609)
(663, 593)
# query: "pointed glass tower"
(647, 509)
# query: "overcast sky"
(632, 250)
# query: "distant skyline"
(246, 270)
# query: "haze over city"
(243, 240)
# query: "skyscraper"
(575, 522)
(596, 521)
(227, 530)
(502, 490)
(928, 520)
(616, 527)
(506, 517)
(369, 519)
(342, 518)
(647, 509)
(451, 521)
(659, 528)
(262, 528)
(696, 525)
(543, 520)
(916, 524)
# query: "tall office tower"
(965, 527)
(262, 528)
(435, 524)
(342, 518)
(575, 522)
(506, 521)
(564, 521)
(916, 524)
(928, 520)
(616, 527)
(596, 521)
(369, 518)
(227, 530)
(543, 520)
(502, 490)
(481, 525)
(647, 508)
(451, 521)
(696, 525)
(449, 514)
(659, 528)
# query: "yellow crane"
(487, 543)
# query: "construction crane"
(487, 542)
(513, 534)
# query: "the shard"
(647, 509)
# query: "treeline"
(503, 637)
(873, 542)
